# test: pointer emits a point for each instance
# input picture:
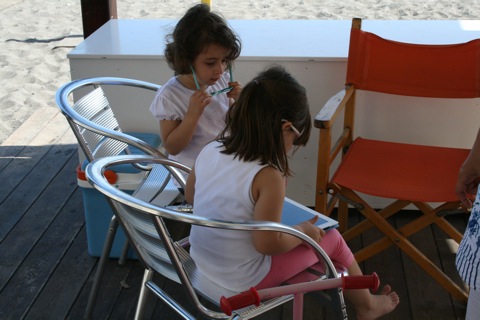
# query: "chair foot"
(123, 257)
(92, 298)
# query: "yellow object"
(206, 2)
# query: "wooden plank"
(447, 249)
(32, 186)
(110, 288)
(428, 299)
(34, 142)
(32, 250)
(31, 128)
(37, 172)
(29, 211)
(34, 128)
(68, 279)
(355, 244)
(126, 304)
(388, 265)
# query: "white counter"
(314, 51)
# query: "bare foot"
(379, 305)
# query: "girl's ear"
(286, 125)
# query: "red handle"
(361, 282)
(239, 301)
(252, 296)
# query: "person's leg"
(286, 265)
(367, 305)
(289, 264)
(473, 306)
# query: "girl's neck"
(187, 81)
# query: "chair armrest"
(332, 108)
(328, 150)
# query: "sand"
(36, 35)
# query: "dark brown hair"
(253, 129)
(197, 29)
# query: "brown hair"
(198, 28)
(254, 123)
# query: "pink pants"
(285, 266)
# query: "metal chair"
(144, 224)
(99, 134)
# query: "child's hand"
(198, 101)
(310, 229)
(235, 92)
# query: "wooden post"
(95, 13)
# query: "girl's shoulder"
(269, 174)
(174, 92)
(173, 86)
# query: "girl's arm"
(268, 190)
(176, 134)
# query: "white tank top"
(223, 191)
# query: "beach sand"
(36, 36)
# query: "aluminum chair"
(144, 224)
(98, 133)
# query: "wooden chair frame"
(330, 194)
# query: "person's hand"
(235, 92)
(198, 102)
(310, 229)
(467, 183)
(469, 176)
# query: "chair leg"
(407, 230)
(107, 246)
(341, 307)
(342, 216)
(123, 257)
(142, 297)
(399, 238)
(333, 300)
(298, 306)
(366, 224)
(441, 222)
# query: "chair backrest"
(442, 71)
(93, 121)
(144, 225)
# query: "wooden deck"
(46, 272)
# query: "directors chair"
(412, 175)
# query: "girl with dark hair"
(191, 106)
(242, 176)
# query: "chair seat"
(414, 172)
